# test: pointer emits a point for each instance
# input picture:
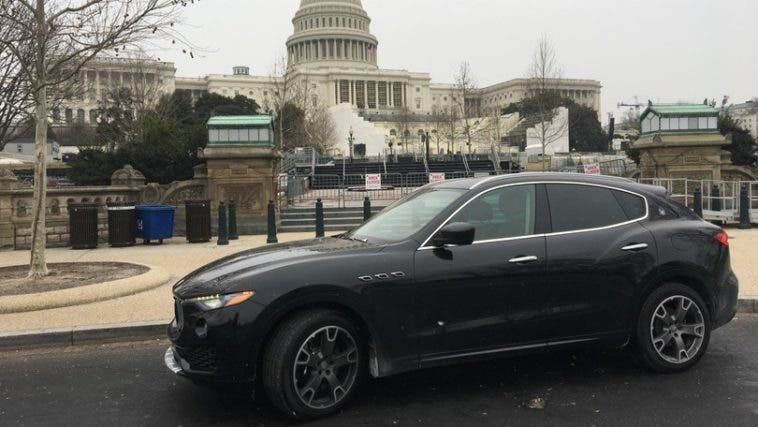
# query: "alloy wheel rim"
(325, 367)
(677, 329)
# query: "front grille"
(199, 358)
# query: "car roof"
(496, 180)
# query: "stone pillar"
(247, 175)
(390, 95)
(8, 182)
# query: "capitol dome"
(332, 33)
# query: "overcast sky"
(667, 51)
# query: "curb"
(153, 278)
(747, 306)
(82, 335)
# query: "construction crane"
(636, 104)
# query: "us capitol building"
(333, 54)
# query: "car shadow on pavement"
(513, 384)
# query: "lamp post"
(437, 137)
(427, 140)
(421, 140)
(350, 141)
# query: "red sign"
(373, 181)
(592, 169)
(436, 177)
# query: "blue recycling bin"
(155, 222)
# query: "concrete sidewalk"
(180, 258)
(175, 256)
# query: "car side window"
(582, 207)
(501, 213)
(633, 206)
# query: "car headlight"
(214, 302)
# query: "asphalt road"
(127, 384)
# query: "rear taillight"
(722, 238)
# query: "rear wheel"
(313, 364)
(673, 329)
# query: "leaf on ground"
(536, 403)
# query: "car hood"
(216, 277)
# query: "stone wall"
(16, 200)
(245, 175)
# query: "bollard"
(366, 209)
(744, 208)
(233, 221)
(699, 202)
(319, 218)
(716, 199)
(271, 223)
(223, 237)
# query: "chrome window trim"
(533, 236)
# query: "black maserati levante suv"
(458, 271)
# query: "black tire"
(649, 324)
(279, 375)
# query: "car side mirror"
(457, 233)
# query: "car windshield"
(406, 217)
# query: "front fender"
(314, 296)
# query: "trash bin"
(198, 217)
(82, 225)
(155, 222)
(122, 224)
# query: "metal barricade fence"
(350, 189)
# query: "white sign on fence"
(436, 177)
(373, 181)
(283, 180)
(592, 169)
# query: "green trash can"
(82, 225)
(122, 224)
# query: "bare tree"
(439, 120)
(51, 42)
(544, 88)
(320, 128)
(465, 86)
(15, 93)
(403, 119)
(284, 82)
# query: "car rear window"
(581, 207)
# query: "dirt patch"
(13, 280)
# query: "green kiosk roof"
(682, 110)
(237, 121)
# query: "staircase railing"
(496, 159)
(465, 163)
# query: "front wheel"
(313, 364)
(673, 329)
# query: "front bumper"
(171, 363)
(217, 346)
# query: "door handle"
(523, 259)
(635, 247)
